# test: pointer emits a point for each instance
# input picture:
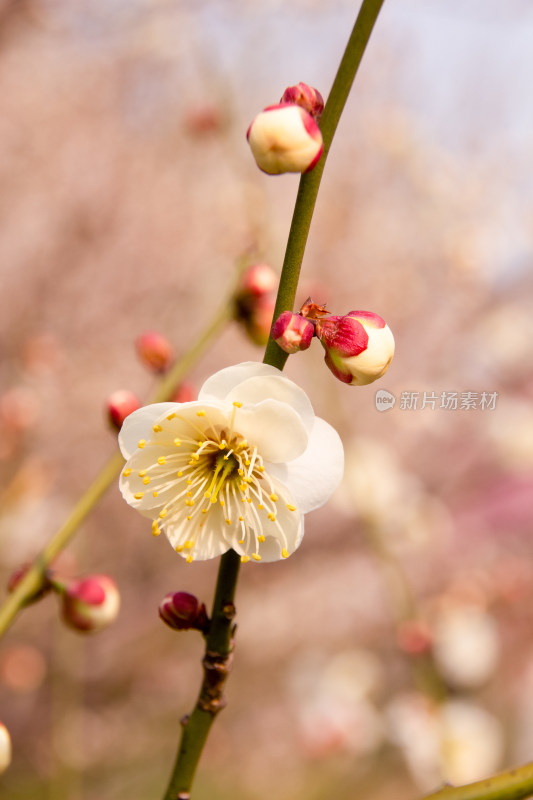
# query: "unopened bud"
(90, 604)
(257, 280)
(359, 346)
(292, 332)
(285, 138)
(306, 97)
(155, 351)
(5, 748)
(182, 611)
(121, 404)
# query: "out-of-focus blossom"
(258, 279)
(204, 119)
(237, 469)
(456, 742)
(182, 611)
(259, 320)
(90, 604)
(155, 351)
(305, 96)
(22, 668)
(465, 645)
(184, 393)
(285, 138)
(19, 408)
(121, 404)
(5, 748)
(292, 332)
(359, 346)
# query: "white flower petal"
(219, 385)
(313, 477)
(139, 425)
(274, 428)
(275, 387)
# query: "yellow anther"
(179, 548)
(245, 559)
(213, 500)
(243, 444)
(189, 559)
(273, 497)
(139, 495)
(261, 538)
(207, 494)
(237, 404)
(177, 442)
(141, 443)
(256, 557)
(189, 482)
(189, 503)
(272, 517)
(240, 472)
(180, 474)
(284, 553)
(243, 499)
(291, 508)
(154, 494)
(228, 521)
(142, 473)
(161, 460)
(189, 494)
(261, 469)
(222, 503)
(200, 413)
(155, 528)
(146, 480)
(189, 518)
(171, 416)
(241, 541)
(241, 519)
(194, 457)
(162, 513)
(126, 472)
(188, 544)
(260, 506)
(247, 462)
(157, 428)
(204, 510)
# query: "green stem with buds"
(513, 784)
(33, 580)
(310, 181)
(219, 645)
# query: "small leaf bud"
(181, 611)
(306, 97)
(90, 604)
(292, 332)
(5, 748)
(155, 351)
(121, 404)
(359, 346)
(285, 138)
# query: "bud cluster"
(359, 345)
(285, 137)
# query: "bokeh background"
(395, 649)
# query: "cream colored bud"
(285, 138)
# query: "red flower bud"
(120, 405)
(292, 332)
(305, 96)
(90, 604)
(181, 611)
(359, 346)
(185, 393)
(259, 279)
(155, 351)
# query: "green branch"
(514, 784)
(310, 181)
(218, 648)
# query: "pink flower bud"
(259, 320)
(305, 96)
(359, 346)
(120, 405)
(155, 351)
(90, 604)
(5, 748)
(258, 279)
(182, 611)
(285, 138)
(292, 332)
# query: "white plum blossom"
(236, 469)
